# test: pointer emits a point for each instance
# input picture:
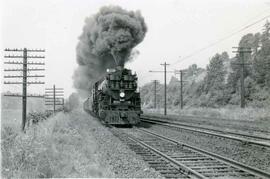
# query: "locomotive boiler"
(115, 99)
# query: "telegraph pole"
(155, 93)
(54, 97)
(180, 72)
(241, 51)
(165, 84)
(165, 87)
(267, 80)
(24, 100)
(181, 88)
(24, 76)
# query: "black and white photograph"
(135, 89)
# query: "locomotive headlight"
(122, 94)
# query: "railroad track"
(245, 138)
(174, 159)
(208, 121)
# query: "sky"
(176, 29)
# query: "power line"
(54, 97)
(216, 42)
(24, 69)
(149, 75)
(165, 83)
(180, 72)
(220, 40)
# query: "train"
(115, 99)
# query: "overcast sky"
(176, 29)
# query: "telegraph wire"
(216, 42)
(220, 40)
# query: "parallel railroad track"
(245, 138)
(174, 159)
(236, 125)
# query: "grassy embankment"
(61, 146)
(234, 113)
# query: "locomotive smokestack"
(118, 59)
(119, 67)
(107, 41)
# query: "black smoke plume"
(107, 41)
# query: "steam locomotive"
(115, 99)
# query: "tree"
(192, 70)
(215, 72)
(262, 59)
(214, 81)
(251, 41)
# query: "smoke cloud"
(107, 41)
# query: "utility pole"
(165, 87)
(267, 80)
(54, 97)
(241, 51)
(180, 72)
(165, 84)
(155, 93)
(24, 75)
(24, 100)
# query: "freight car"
(115, 99)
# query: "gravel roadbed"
(252, 155)
(115, 155)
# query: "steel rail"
(192, 128)
(204, 118)
(200, 127)
(246, 168)
(205, 128)
(180, 165)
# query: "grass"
(61, 146)
(11, 118)
(230, 112)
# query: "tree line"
(219, 84)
